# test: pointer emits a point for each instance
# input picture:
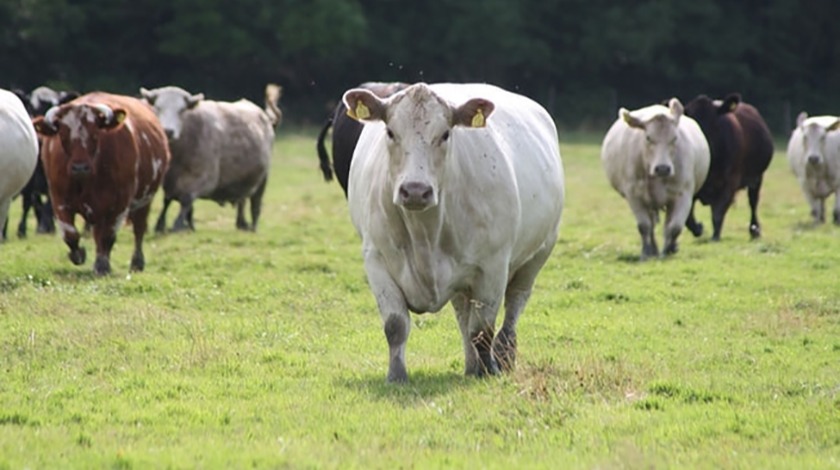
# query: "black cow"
(346, 131)
(37, 103)
(741, 149)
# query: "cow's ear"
(834, 126)
(43, 127)
(193, 100)
(473, 113)
(115, 120)
(801, 118)
(67, 96)
(362, 105)
(631, 120)
(148, 95)
(676, 108)
(729, 103)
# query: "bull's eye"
(390, 133)
(444, 137)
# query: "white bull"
(220, 151)
(18, 150)
(657, 159)
(456, 191)
(814, 156)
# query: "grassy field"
(265, 350)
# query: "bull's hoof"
(671, 249)
(397, 373)
(755, 231)
(696, 229)
(78, 256)
(138, 262)
(504, 350)
(102, 266)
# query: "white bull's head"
(660, 137)
(419, 126)
(170, 103)
(815, 131)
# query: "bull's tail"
(272, 98)
(323, 156)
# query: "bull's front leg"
(645, 223)
(160, 226)
(393, 310)
(676, 215)
(184, 219)
(817, 206)
(139, 221)
(67, 227)
(695, 227)
(836, 214)
(105, 235)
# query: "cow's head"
(661, 136)
(815, 131)
(170, 103)
(79, 128)
(419, 127)
(707, 111)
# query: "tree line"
(581, 59)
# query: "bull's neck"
(424, 227)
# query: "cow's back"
(224, 151)
(18, 146)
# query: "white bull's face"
(661, 134)
(419, 128)
(170, 104)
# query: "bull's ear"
(362, 105)
(676, 108)
(67, 96)
(631, 120)
(193, 100)
(801, 118)
(473, 113)
(43, 127)
(729, 103)
(834, 126)
(115, 120)
(148, 95)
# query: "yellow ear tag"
(120, 117)
(478, 120)
(733, 106)
(362, 111)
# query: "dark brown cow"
(346, 133)
(105, 156)
(741, 149)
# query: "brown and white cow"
(105, 156)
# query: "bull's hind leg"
(516, 296)
(753, 194)
(476, 312)
(256, 203)
(695, 227)
(719, 208)
(836, 213)
(160, 226)
(139, 221)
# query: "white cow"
(18, 150)
(456, 191)
(814, 156)
(657, 159)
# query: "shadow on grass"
(75, 274)
(421, 385)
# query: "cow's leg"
(256, 203)
(675, 218)
(241, 223)
(695, 227)
(719, 208)
(139, 221)
(184, 219)
(645, 223)
(4, 216)
(476, 314)
(393, 310)
(836, 213)
(44, 212)
(516, 296)
(67, 227)
(105, 235)
(817, 206)
(160, 226)
(26, 203)
(753, 194)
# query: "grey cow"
(220, 151)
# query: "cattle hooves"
(78, 256)
(696, 230)
(138, 263)
(102, 266)
(755, 232)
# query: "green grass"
(265, 349)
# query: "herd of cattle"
(456, 190)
